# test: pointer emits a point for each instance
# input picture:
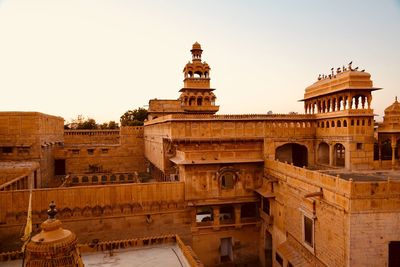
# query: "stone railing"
(19, 183)
(102, 178)
(91, 132)
(246, 117)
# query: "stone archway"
(323, 153)
(339, 155)
(292, 153)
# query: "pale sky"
(101, 58)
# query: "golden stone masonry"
(315, 189)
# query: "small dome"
(196, 45)
(393, 108)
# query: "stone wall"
(152, 208)
(91, 151)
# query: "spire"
(196, 52)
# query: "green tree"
(134, 117)
(88, 124)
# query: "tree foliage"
(134, 117)
(82, 123)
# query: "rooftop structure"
(313, 189)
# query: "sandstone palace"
(315, 189)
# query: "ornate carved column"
(330, 154)
(237, 215)
(216, 217)
(393, 142)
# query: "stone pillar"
(369, 98)
(393, 152)
(216, 217)
(380, 153)
(331, 155)
(237, 216)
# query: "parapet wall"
(89, 200)
(93, 151)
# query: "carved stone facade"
(262, 190)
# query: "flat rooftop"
(168, 255)
(365, 176)
(164, 255)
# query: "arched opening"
(386, 150)
(190, 74)
(198, 74)
(339, 123)
(323, 153)
(268, 249)
(339, 155)
(292, 153)
(397, 149)
(192, 101)
(345, 123)
(199, 101)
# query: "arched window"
(199, 101)
(352, 123)
(228, 180)
(339, 158)
(339, 124)
(333, 123)
(345, 123)
(323, 153)
(322, 124)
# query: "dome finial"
(52, 211)
(395, 98)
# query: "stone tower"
(196, 95)
(341, 103)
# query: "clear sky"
(101, 58)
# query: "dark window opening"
(308, 231)
(7, 150)
(59, 167)
(105, 150)
(90, 151)
(248, 210)
(227, 180)
(386, 150)
(359, 146)
(75, 180)
(227, 214)
(95, 179)
(352, 123)
(344, 123)
(394, 252)
(339, 124)
(75, 151)
(85, 179)
(266, 205)
(226, 250)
